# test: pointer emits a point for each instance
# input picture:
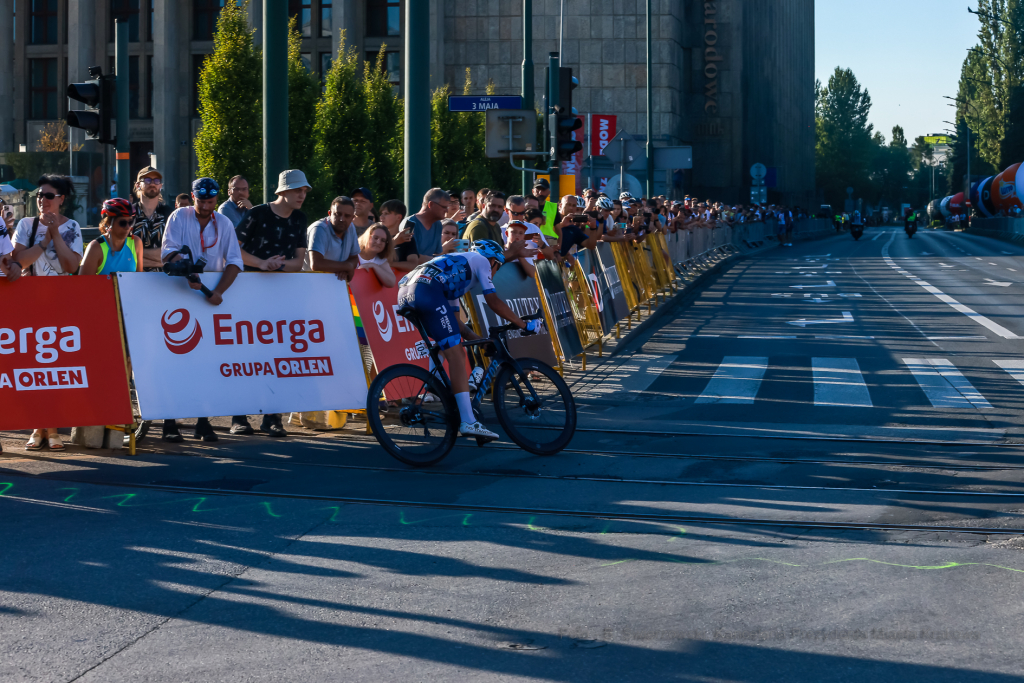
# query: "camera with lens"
(188, 268)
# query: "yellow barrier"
(588, 324)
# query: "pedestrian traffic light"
(564, 125)
(99, 96)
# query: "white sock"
(465, 407)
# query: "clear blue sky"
(907, 53)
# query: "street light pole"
(417, 102)
(275, 94)
(650, 114)
(527, 89)
(121, 149)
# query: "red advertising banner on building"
(602, 131)
(391, 337)
(61, 358)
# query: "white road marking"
(974, 337)
(944, 385)
(990, 281)
(830, 284)
(1013, 269)
(877, 236)
(953, 303)
(847, 318)
(1014, 367)
(945, 265)
(736, 380)
(1008, 253)
(765, 336)
(839, 382)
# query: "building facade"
(732, 78)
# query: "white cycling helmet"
(625, 195)
(604, 203)
(581, 203)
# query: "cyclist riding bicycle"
(433, 289)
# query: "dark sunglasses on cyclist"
(205, 192)
(49, 195)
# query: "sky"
(906, 53)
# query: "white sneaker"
(476, 429)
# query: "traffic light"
(99, 96)
(564, 122)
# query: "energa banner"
(61, 358)
(392, 338)
(279, 342)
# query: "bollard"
(88, 437)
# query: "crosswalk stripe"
(839, 382)
(944, 385)
(1015, 368)
(736, 380)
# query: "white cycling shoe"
(476, 429)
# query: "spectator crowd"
(234, 235)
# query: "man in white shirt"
(211, 235)
(206, 233)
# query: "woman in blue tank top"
(117, 251)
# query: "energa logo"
(383, 320)
(181, 333)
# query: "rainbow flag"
(360, 332)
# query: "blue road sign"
(484, 102)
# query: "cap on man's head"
(291, 179)
(542, 182)
(365, 191)
(149, 170)
(204, 188)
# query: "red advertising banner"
(62, 362)
(391, 337)
(602, 131)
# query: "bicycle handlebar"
(501, 329)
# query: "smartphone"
(461, 245)
(580, 218)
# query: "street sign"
(523, 132)
(623, 149)
(484, 102)
(758, 171)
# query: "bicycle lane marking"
(945, 298)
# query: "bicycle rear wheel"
(543, 426)
(412, 415)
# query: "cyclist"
(433, 289)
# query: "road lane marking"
(839, 382)
(944, 385)
(877, 236)
(1013, 367)
(847, 318)
(766, 336)
(945, 298)
(972, 337)
(990, 281)
(830, 284)
(736, 380)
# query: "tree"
(303, 95)
(230, 90)
(844, 148)
(341, 124)
(1013, 137)
(383, 155)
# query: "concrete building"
(732, 78)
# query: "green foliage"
(303, 94)
(991, 75)
(1013, 136)
(845, 146)
(342, 120)
(383, 156)
(230, 86)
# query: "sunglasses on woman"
(125, 222)
(49, 195)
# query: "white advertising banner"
(279, 342)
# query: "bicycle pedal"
(482, 440)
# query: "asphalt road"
(720, 516)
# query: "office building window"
(383, 18)
(125, 10)
(303, 11)
(43, 22)
(326, 24)
(204, 17)
(149, 21)
(42, 88)
(326, 59)
(149, 87)
(392, 66)
(307, 60)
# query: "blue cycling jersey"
(455, 274)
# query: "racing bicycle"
(413, 414)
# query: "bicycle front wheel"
(412, 415)
(544, 425)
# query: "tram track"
(664, 518)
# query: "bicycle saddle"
(407, 312)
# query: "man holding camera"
(209, 235)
